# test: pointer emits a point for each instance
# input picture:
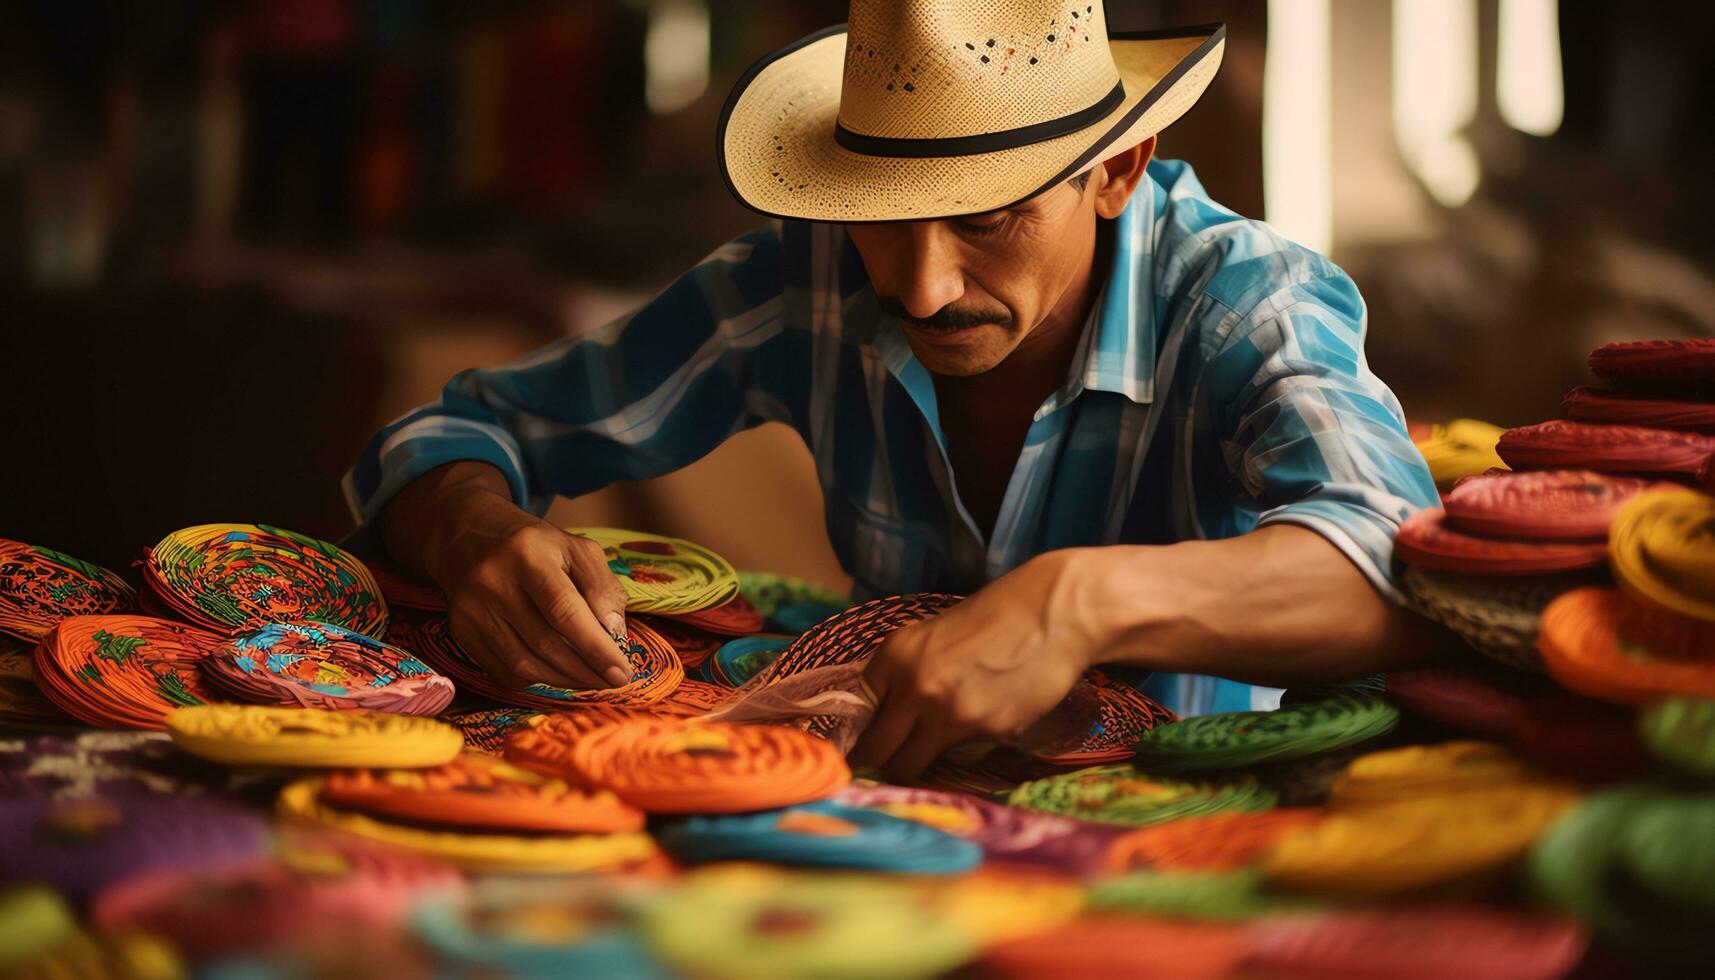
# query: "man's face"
(969, 290)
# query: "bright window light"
(1528, 83)
(1297, 162)
(1435, 93)
(676, 54)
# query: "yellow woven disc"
(265, 736)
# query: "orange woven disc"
(1589, 644)
(479, 791)
(670, 765)
(122, 671)
(1222, 842)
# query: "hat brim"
(779, 156)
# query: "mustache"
(946, 318)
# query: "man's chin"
(956, 353)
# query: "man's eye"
(986, 224)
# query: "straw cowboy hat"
(923, 109)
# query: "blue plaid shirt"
(1220, 386)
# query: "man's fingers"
(928, 739)
(560, 605)
(550, 648)
(587, 566)
(887, 731)
(503, 654)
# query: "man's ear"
(1121, 173)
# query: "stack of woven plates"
(39, 587)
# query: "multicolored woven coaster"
(1631, 449)
(1419, 771)
(1682, 731)
(519, 928)
(1395, 848)
(254, 735)
(664, 575)
(1124, 715)
(312, 884)
(1222, 842)
(1245, 738)
(1658, 367)
(39, 587)
(1607, 406)
(1061, 844)
(1663, 552)
(487, 853)
(738, 660)
(655, 670)
(319, 665)
(1426, 540)
(1469, 941)
(479, 792)
(669, 765)
(123, 671)
(1497, 616)
(1566, 505)
(768, 592)
(1588, 643)
(750, 921)
(80, 846)
(1127, 794)
(821, 834)
(224, 575)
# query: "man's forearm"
(1278, 606)
(415, 522)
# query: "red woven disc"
(1605, 406)
(1426, 541)
(1563, 504)
(1610, 448)
(1658, 367)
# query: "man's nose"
(930, 276)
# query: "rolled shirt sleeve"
(1308, 434)
(644, 395)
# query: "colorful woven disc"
(1555, 504)
(668, 765)
(479, 791)
(1486, 703)
(1100, 947)
(1125, 794)
(226, 575)
(664, 575)
(1419, 771)
(265, 736)
(39, 587)
(734, 617)
(1559, 444)
(1461, 448)
(768, 592)
(1017, 835)
(1658, 367)
(694, 646)
(752, 921)
(1400, 847)
(740, 659)
(822, 835)
(1470, 942)
(1212, 895)
(1496, 616)
(1682, 731)
(488, 853)
(80, 845)
(1663, 551)
(1124, 715)
(550, 928)
(655, 670)
(318, 665)
(1426, 541)
(1244, 738)
(487, 729)
(1588, 645)
(1223, 842)
(1605, 406)
(123, 671)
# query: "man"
(1031, 364)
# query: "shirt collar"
(1119, 351)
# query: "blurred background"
(238, 237)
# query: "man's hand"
(986, 668)
(530, 602)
